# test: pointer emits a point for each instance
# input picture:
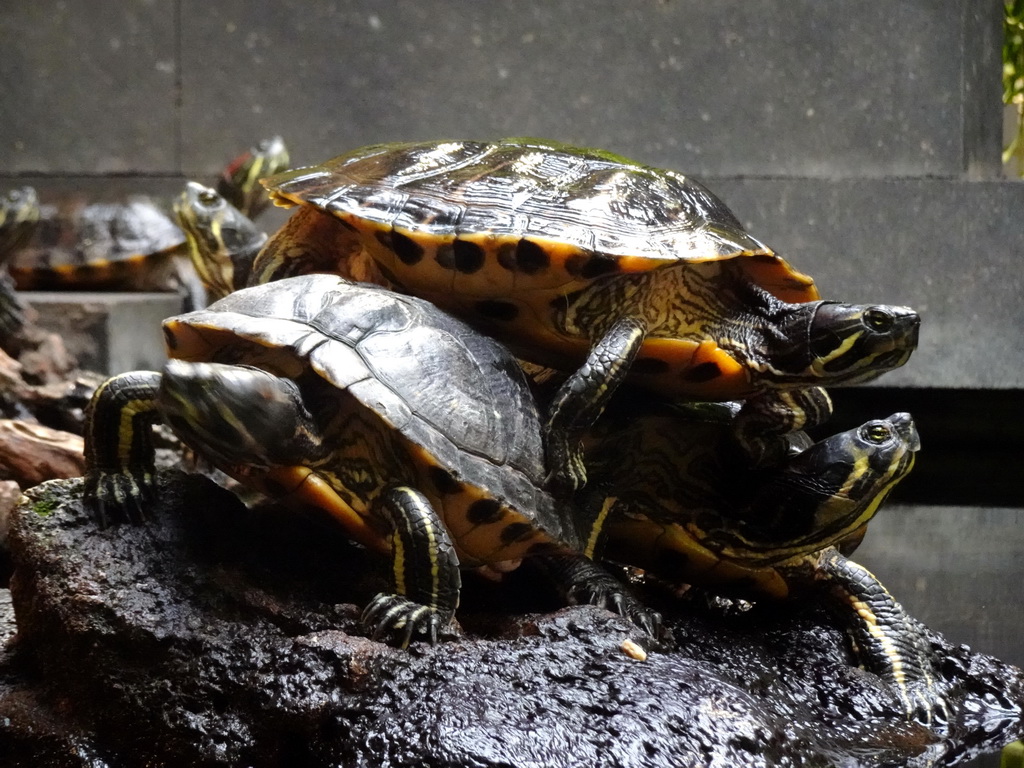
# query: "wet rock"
(216, 635)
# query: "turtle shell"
(100, 246)
(456, 400)
(544, 247)
(518, 215)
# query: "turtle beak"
(906, 429)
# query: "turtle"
(19, 212)
(674, 495)
(590, 263)
(222, 241)
(238, 183)
(127, 244)
(418, 435)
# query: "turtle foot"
(398, 620)
(120, 497)
(613, 597)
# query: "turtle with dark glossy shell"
(19, 213)
(671, 493)
(130, 243)
(587, 262)
(419, 435)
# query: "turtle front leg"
(765, 421)
(119, 454)
(889, 642)
(581, 400)
(425, 577)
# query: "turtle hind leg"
(119, 454)
(889, 642)
(425, 577)
(765, 423)
(584, 582)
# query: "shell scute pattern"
(380, 347)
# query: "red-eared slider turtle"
(125, 245)
(420, 436)
(583, 260)
(239, 182)
(674, 496)
(222, 241)
(129, 243)
(19, 212)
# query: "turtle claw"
(399, 620)
(120, 497)
(613, 597)
(627, 606)
(924, 705)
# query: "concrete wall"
(860, 139)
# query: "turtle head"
(239, 183)
(19, 212)
(851, 343)
(222, 241)
(236, 415)
(827, 492)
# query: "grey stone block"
(724, 88)
(108, 332)
(949, 249)
(957, 569)
(88, 87)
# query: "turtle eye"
(877, 432)
(878, 319)
(209, 197)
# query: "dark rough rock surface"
(219, 636)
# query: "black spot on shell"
(513, 532)
(406, 249)
(507, 256)
(591, 265)
(445, 256)
(703, 372)
(649, 365)
(170, 339)
(599, 265)
(530, 258)
(469, 257)
(484, 511)
(497, 310)
(444, 481)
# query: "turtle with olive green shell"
(130, 243)
(671, 493)
(418, 435)
(593, 264)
